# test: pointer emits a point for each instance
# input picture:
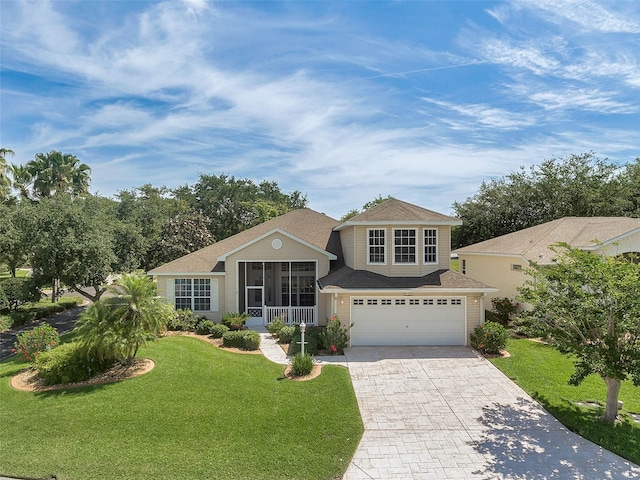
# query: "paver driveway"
(444, 412)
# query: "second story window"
(430, 245)
(404, 245)
(376, 246)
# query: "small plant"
(335, 337)
(244, 339)
(184, 320)
(504, 309)
(30, 344)
(235, 320)
(301, 365)
(69, 363)
(285, 335)
(218, 330)
(275, 326)
(311, 338)
(490, 337)
(204, 327)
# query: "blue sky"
(340, 100)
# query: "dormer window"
(430, 245)
(377, 246)
(404, 245)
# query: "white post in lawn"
(303, 327)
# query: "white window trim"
(384, 247)
(213, 293)
(424, 246)
(416, 247)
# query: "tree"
(5, 182)
(589, 304)
(352, 213)
(55, 173)
(116, 327)
(578, 185)
(22, 180)
(13, 245)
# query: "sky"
(343, 101)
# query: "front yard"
(543, 373)
(200, 413)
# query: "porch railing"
(292, 315)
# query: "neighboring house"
(384, 272)
(502, 261)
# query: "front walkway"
(446, 413)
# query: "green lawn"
(543, 372)
(33, 311)
(201, 412)
(20, 272)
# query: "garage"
(387, 321)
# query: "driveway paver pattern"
(447, 413)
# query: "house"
(384, 273)
(502, 261)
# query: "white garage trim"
(394, 320)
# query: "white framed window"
(404, 245)
(441, 301)
(414, 301)
(193, 294)
(358, 301)
(385, 301)
(376, 238)
(516, 267)
(464, 267)
(456, 301)
(400, 301)
(430, 245)
(427, 301)
(372, 302)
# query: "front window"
(404, 245)
(430, 245)
(192, 294)
(376, 246)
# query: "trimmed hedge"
(244, 339)
(218, 330)
(275, 326)
(205, 327)
(68, 363)
(285, 335)
(490, 337)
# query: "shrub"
(301, 365)
(244, 339)
(19, 291)
(275, 326)
(285, 335)
(311, 337)
(30, 344)
(504, 309)
(4, 301)
(335, 337)
(184, 320)
(234, 320)
(204, 327)
(218, 330)
(68, 363)
(490, 337)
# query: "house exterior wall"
(165, 284)
(629, 244)
(263, 251)
(497, 271)
(355, 246)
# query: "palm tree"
(55, 173)
(5, 182)
(22, 180)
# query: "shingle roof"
(306, 224)
(533, 243)
(394, 211)
(350, 279)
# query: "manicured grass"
(20, 272)
(200, 413)
(455, 264)
(544, 373)
(34, 311)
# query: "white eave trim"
(408, 291)
(512, 255)
(394, 223)
(329, 255)
(185, 274)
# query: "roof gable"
(394, 211)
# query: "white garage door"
(408, 321)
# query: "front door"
(255, 305)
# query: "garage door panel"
(415, 324)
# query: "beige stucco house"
(502, 261)
(384, 273)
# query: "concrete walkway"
(446, 413)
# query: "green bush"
(218, 330)
(490, 337)
(504, 309)
(68, 363)
(335, 337)
(275, 326)
(285, 335)
(244, 339)
(184, 320)
(30, 344)
(311, 337)
(4, 301)
(204, 327)
(19, 291)
(235, 320)
(301, 365)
